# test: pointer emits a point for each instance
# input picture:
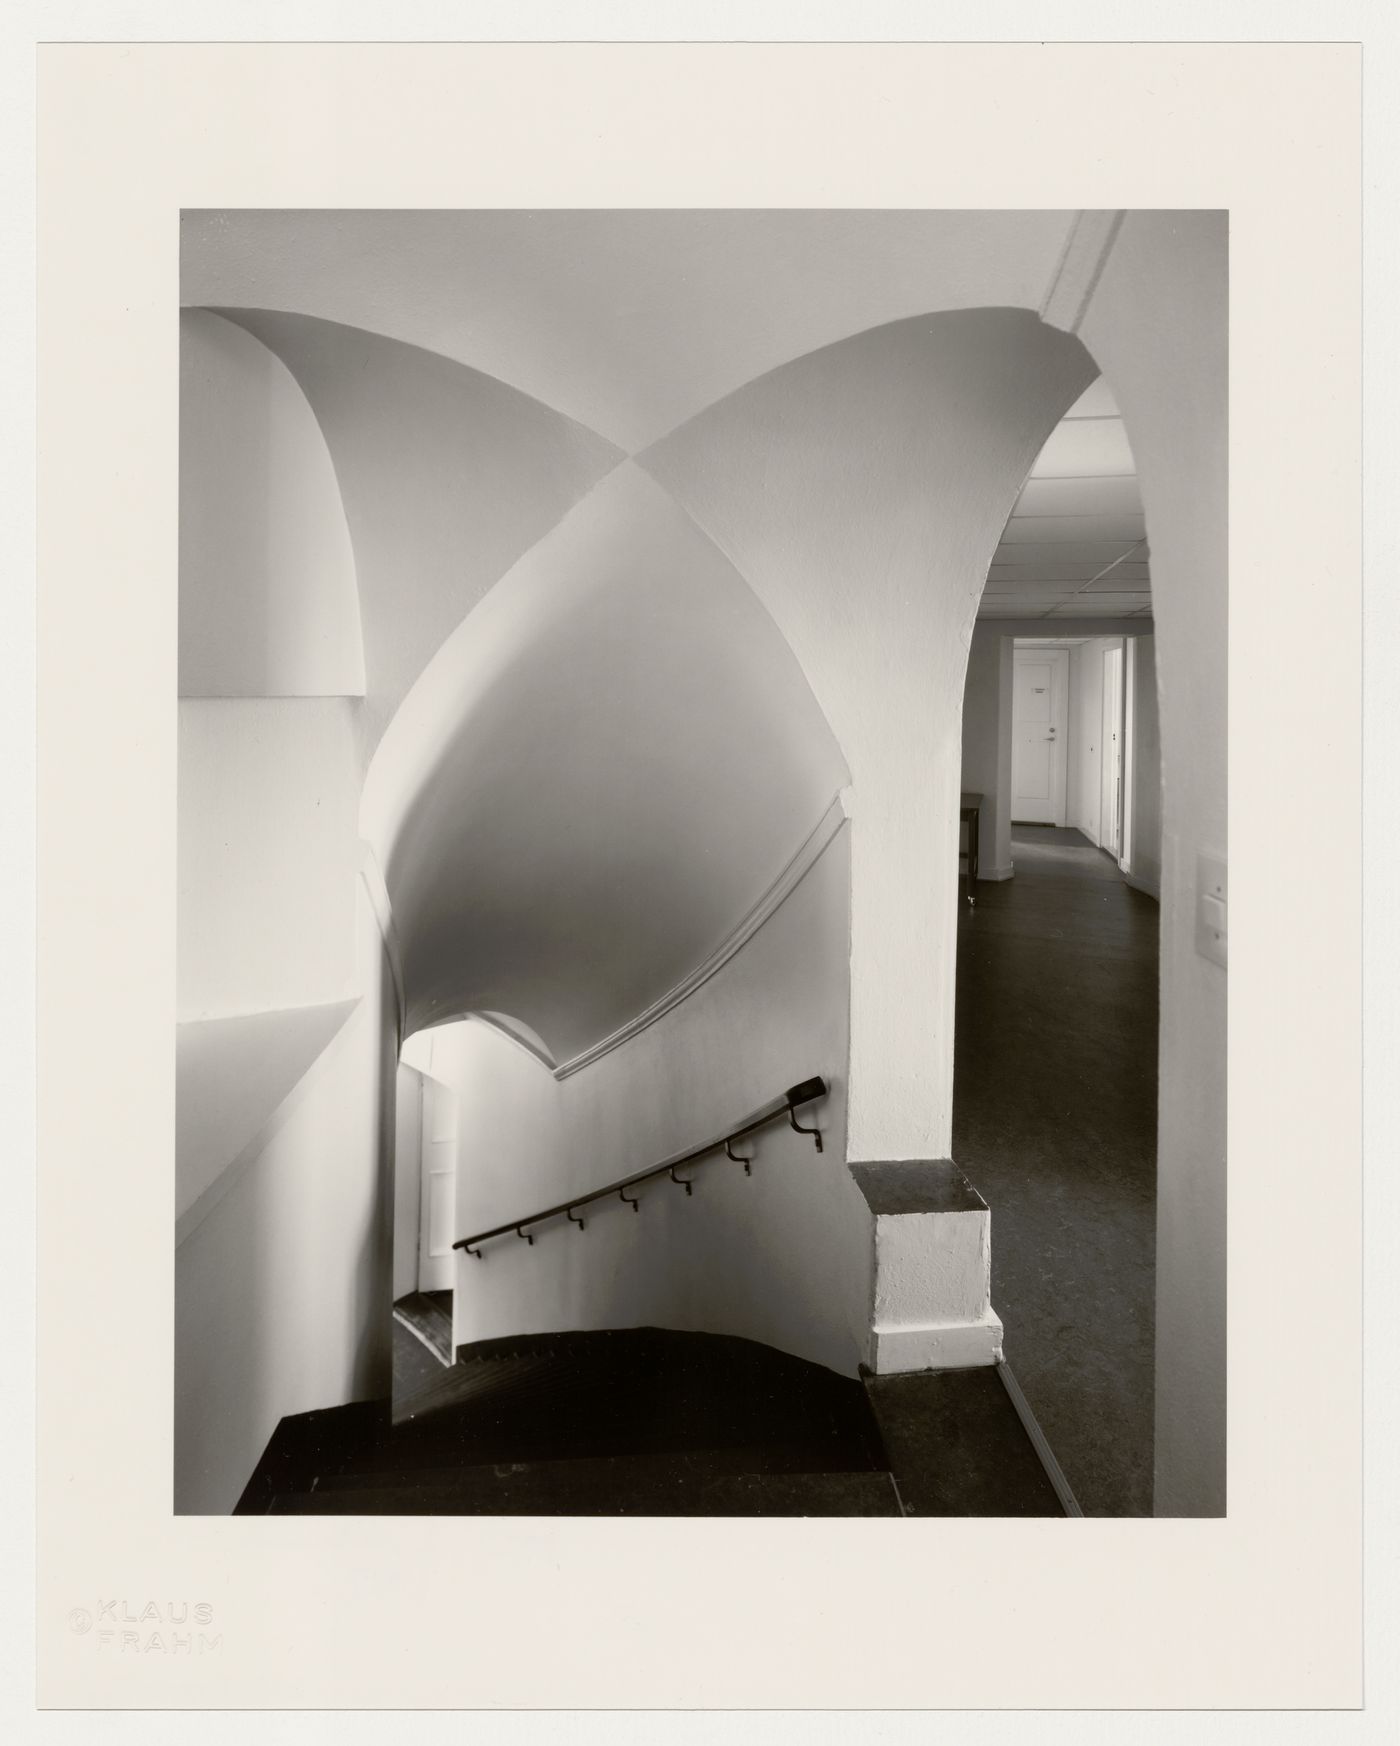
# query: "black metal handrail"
(788, 1104)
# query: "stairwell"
(654, 1422)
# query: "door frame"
(1112, 716)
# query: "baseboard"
(942, 1346)
(1151, 889)
(1039, 1442)
(994, 874)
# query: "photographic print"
(670, 912)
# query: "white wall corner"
(378, 893)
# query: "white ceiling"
(629, 322)
(1075, 546)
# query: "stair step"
(685, 1466)
(633, 1390)
(477, 1441)
(616, 1492)
(303, 1444)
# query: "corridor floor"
(1055, 1124)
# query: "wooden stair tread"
(620, 1493)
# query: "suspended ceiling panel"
(1076, 544)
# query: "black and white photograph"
(678, 1009)
(654, 657)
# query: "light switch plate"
(1212, 908)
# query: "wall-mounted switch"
(1212, 908)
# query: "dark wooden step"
(305, 1444)
(613, 1493)
(689, 1466)
(636, 1390)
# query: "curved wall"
(630, 321)
(447, 476)
(601, 773)
(783, 1255)
(268, 602)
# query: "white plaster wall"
(600, 775)
(268, 600)
(1157, 324)
(230, 1076)
(862, 491)
(783, 1256)
(447, 476)
(1145, 849)
(987, 744)
(267, 855)
(933, 1259)
(283, 1292)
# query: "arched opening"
(1055, 1059)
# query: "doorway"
(425, 1192)
(439, 1197)
(1039, 707)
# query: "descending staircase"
(652, 1422)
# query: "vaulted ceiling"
(629, 322)
(666, 525)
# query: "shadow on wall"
(782, 1256)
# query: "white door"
(439, 1204)
(1038, 710)
(1111, 798)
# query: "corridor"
(1055, 1124)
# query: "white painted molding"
(234, 1171)
(378, 894)
(1090, 242)
(996, 873)
(516, 1031)
(939, 1346)
(772, 900)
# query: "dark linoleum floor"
(1055, 1123)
